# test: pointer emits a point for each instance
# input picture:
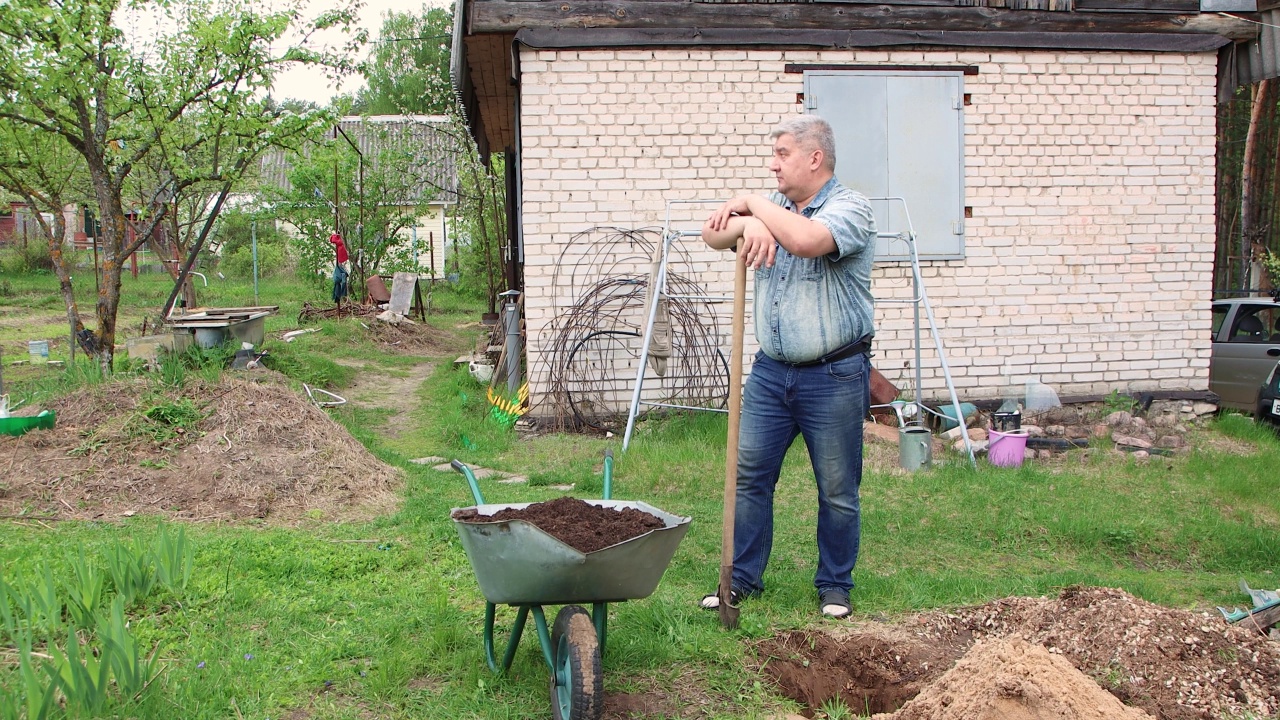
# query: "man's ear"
(815, 159)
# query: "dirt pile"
(245, 446)
(1012, 679)
(1173, 664)
(576, 523)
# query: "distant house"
(18, 224)
(1056, 158)
(432, 162)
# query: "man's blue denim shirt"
(808, 307)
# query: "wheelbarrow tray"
(517, 563)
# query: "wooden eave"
(489, 29)
(508, 16)
(491, 93)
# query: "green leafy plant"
(835, 709)
(87, 665)
(133, 673)
(85, 590)
(174, 557)
(1116, 402)
(1271, 264)
(132, 572)
(165, 421)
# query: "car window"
(1255, 324)
(1219, 317)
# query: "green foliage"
(1271, 263)
(480, 226)
(1115, 402)
(408, 69)
(165, 421)
(272, 262)
(95, 663)
(176, 122)
(237, 229)
(27, 258)
(313, 368)
(132, 571)
(835, 709)
(175, 367)
(382, 192)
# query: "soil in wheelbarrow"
(576, 523)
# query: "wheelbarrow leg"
(521, 615)
(600, 615)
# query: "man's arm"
(801, 236)
(755, 243)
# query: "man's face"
(795, 166)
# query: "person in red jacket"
(340, 269)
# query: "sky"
(310, 84)
(303, 83)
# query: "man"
(811, 245)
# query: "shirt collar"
(819, 199)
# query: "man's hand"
(719, 219)
(757, 246)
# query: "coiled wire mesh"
(600, 312)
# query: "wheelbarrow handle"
(471, 480)
(608, 474)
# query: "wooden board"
(402, 286)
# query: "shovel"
(728, 612)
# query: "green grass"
(384, 618)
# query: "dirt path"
(395, 391)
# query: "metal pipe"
(253, 235)
(513, 347)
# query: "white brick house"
(1081, 241)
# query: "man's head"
(804, 156)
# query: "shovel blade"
(728, 611)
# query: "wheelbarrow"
(518, 564)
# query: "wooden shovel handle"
(728, 613)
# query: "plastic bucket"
(915, 448)
(1006, 449)
(39, 351)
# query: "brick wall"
(1089, 252)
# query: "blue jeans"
(826, 404)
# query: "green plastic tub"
(20, 425)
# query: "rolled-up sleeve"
(849, 217)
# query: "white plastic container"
(39, 351)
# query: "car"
(1245, 350)
(1269, 398)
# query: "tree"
(408, 69)
(48, 175)
(370, 181)
(187, 117)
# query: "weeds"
(835, 709)
(166, 421)
(1115, 402)
(176, 367)
(94, 663)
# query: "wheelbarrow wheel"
(577, 686)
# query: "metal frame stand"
(921, 298)
(657, 292)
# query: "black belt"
(857, 347)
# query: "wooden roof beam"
(488, 16)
